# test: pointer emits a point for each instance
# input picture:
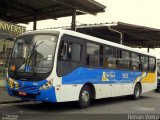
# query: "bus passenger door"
(70, 55)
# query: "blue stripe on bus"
(82, 75)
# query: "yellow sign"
(11, 28)
(104, 76)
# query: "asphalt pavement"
(119, 108)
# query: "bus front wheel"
(84, 97)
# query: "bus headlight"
(47, 85)
(13, 84)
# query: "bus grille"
(29, 88)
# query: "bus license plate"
(22, 93)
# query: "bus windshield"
(33, 54)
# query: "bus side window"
(135, 61)
(70, 52)
(110, 57)
(124, 62)
(152, 63)
(74, 52)
(144, 63)
(94, 55)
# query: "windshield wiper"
(32, 54)
(28, 60)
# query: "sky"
(138, 12)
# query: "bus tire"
(84, 97)
(137, 91)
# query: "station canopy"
(24, 11)
(132, 35)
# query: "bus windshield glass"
(33, 54)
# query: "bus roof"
(90, 38)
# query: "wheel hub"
(137, 92)
(85, 96)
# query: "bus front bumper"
(47, 95)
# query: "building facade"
(8, 32)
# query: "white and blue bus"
(63, 65)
